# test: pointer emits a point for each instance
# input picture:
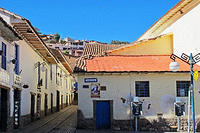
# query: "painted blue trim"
(89, 80)
(102, 115)
(4, 58)
(46, 79)
(17, 59)
(192, 86)
(51, 77)
(38, 72)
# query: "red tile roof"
(98, 49)
(146, 63)
(92, 50)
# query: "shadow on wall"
(83, 123)
(157, 125)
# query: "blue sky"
(101, 20)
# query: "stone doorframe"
(111, 111)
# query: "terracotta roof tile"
(146, 63)
(98, 49)
(92, 50)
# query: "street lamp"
(174, 66)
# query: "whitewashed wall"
(28, 59)
(162, 93)
(186, 31)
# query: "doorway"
(61, 101)
(38, 105)
(17, 98)
(51, 102)
(32, 107)
(45, 104)
(66, 99)
(103, 119)
(58, 101)
(3, 109)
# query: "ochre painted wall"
(162, 45)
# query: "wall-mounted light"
(25, 86)
(13, 61)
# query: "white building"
(182, 21)
(176, 32)
(8, 78)
(107, 83)
(45, 80)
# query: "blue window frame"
(182, 88)
(17, 59)
(38, 72)
(3, 60)
(142, 88)
(56, 75)
(51, 71)
(60, 77)
(46, 78)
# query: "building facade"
(110, 83)
(39, 82)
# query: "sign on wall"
(4, 78)
(90, 80)
(95, 90)
(17, 80)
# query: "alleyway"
(60, 122)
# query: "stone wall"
(156, 125)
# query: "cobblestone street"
(60, 122)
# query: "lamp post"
(174, 66)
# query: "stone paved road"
(110, 131)
(60, 122)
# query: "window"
(51, 71)
(142, 88)
(60, 77)
(17, 59)
(66, 84)
(46, 78)
(182, 88)
(38, 72)
(56, 75)
(3, 61)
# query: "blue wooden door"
(102, 115)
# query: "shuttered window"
(51, 71)
(46, 78)
(3, 61)
(38, 72)
(17, 59)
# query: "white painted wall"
(29, 76)
(162, 93)
(186, 31)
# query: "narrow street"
(60, 122)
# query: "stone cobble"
(60, 122)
